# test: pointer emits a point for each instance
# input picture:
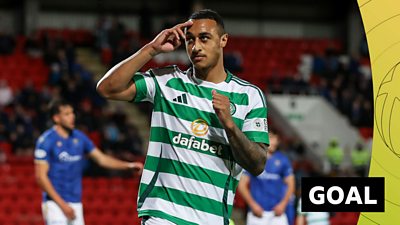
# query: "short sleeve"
(145, 87)
(255, 125)
(287, 169)
(246, 173)
(43, 148)
(88, 145)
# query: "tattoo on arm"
(250, 155)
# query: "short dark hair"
(209, 14)
(54, 106)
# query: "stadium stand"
(107, 200)
(42, 65)
(112, 200)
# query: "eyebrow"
(205, 33)
(201, 34)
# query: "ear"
(223, 40)
(56, 118)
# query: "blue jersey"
(268, 188)
(65, 158)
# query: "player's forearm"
(119, 78)
(244, 191)
(47, 187)
(249, 200)
(290, 182)
(286, 198)
(249, 155)
(116, 164)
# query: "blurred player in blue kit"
(269, 194)
(59, 155)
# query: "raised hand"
(169, 39)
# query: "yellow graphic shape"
(381, 20)
(199, 127)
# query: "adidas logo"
(181, 99)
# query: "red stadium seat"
(95, 136)
(6, 147)
(106, 55)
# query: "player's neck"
(62, 131)
(214, 74)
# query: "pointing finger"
(185, 24)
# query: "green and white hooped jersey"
(190, 176)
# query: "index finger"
(185, 24)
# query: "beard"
(66, 128)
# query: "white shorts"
(150, 220)
(53, 215)
(268, 218)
